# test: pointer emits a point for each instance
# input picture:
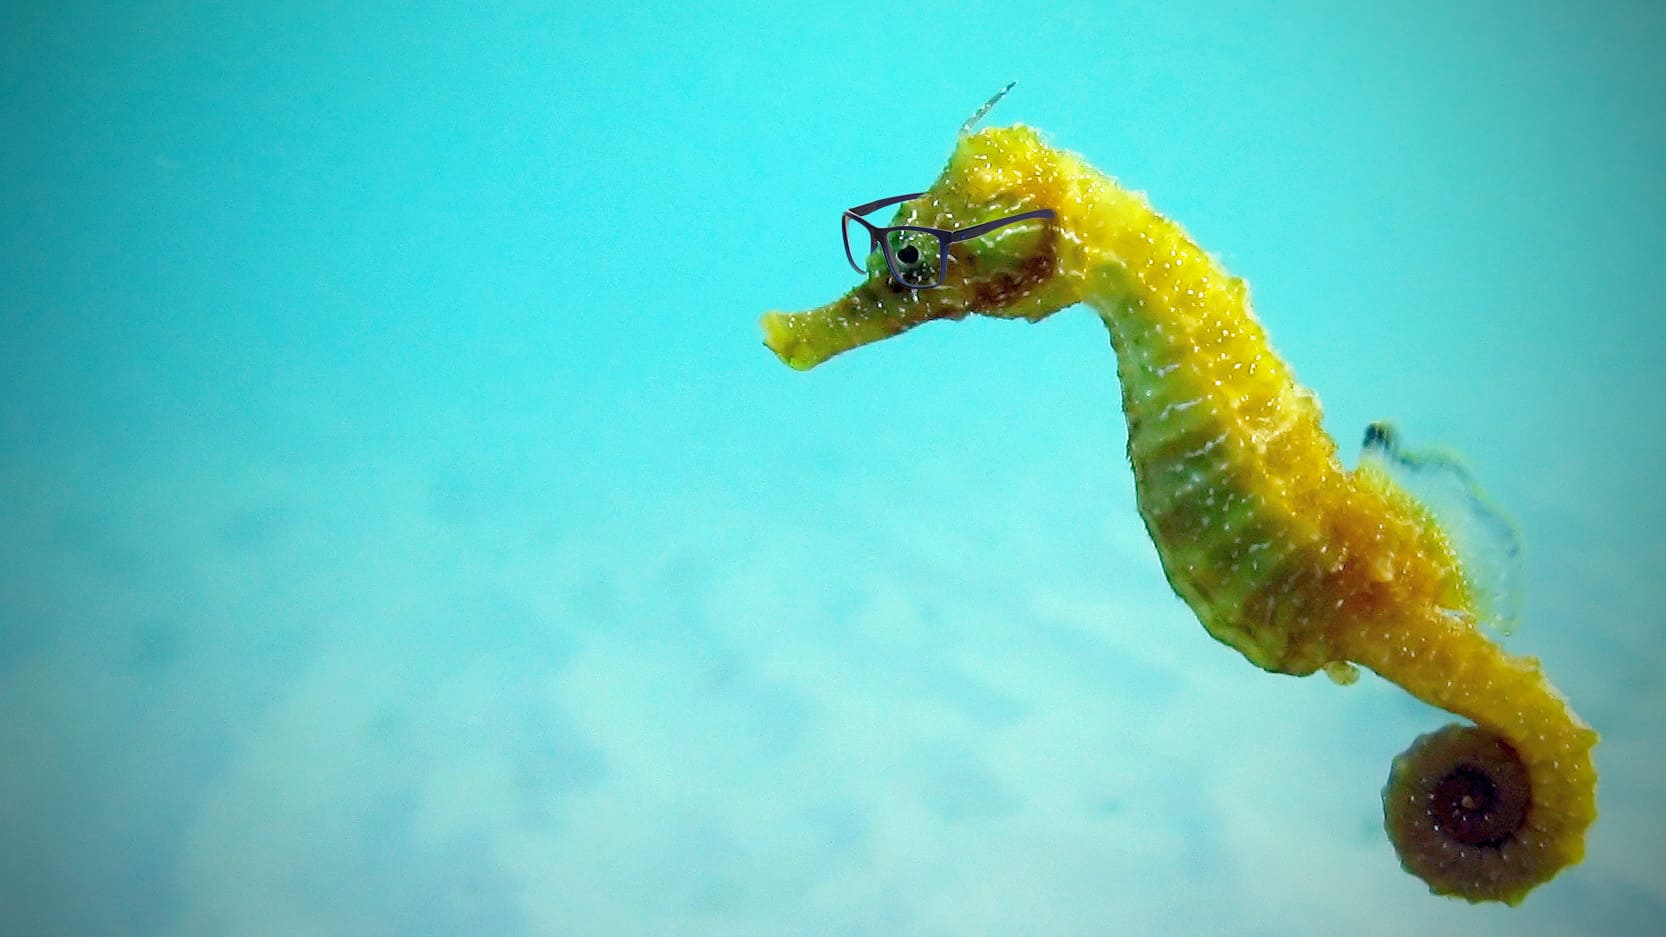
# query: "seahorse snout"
(862, 316)
(789, 335)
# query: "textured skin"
(1281, 552)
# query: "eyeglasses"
(918, 257)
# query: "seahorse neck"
(1187, 342)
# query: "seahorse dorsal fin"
(1486, 542)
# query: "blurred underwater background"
(403, 530)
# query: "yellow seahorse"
(1285, 555)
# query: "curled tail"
(1490, 811)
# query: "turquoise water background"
(404, 532)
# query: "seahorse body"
(1283, 554)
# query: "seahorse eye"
(909, 254)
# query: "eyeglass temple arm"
(881, 203)
(978, 230)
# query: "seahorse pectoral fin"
(1486, 543)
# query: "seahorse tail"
(1485, 812)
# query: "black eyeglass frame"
(945, 237)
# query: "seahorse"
(1283, 554)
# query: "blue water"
(404, 532)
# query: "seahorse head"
(1021, 270)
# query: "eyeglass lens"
(858, 244)
(915, 257)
